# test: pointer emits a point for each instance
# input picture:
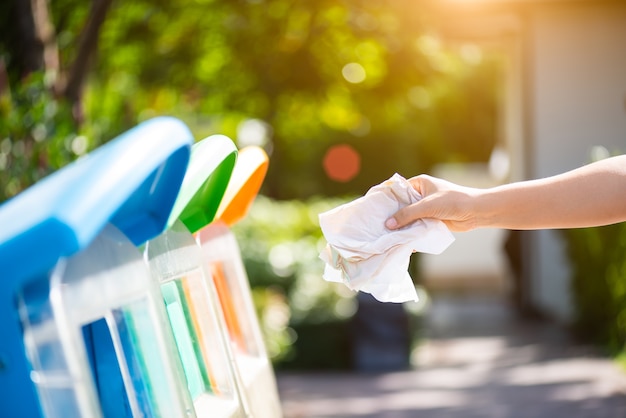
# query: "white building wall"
(577, 72)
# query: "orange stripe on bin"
(195, 312)
(228, 306)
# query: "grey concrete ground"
(477, 360)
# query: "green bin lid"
(207, 176)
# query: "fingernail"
(391, 223)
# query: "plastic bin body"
(109, 286)
(222, 256)
(188, 292)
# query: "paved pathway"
(477, 360)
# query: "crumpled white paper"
(366, 256)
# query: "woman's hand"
(442, 200)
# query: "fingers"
(441, 200)
(424, 185)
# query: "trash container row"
(123, 292)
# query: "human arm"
(592, 195)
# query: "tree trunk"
(87, 46)
(26, 48)
(33, 47)
(46, 36)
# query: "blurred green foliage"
(598, 286)
(366, 73)
(37, 136)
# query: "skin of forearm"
(592, 195)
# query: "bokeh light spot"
(472, 54)
(353, 73)
(253, 132)
(342, 163)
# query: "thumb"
(405, 216)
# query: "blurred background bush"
(295, 77)
(307, 323)
(598, 287)
(280, 242)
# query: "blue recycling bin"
(123, 190)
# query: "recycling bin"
(187, 290)
(78, 309)
(222, 256)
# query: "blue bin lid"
(131, 181)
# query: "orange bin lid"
(245, 183)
